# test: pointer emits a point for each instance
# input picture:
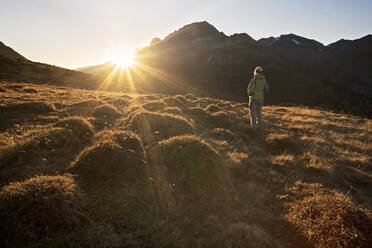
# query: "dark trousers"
(255, 107)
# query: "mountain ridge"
(23, 70)
(9, 52)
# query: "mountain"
(292, 41)
(9, 52)
(344, 67)
(96, 69)
(21, 70)
(299, 70)
(16, 68)
(200, 59)
(294, 48)
(193, 33)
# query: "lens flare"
(124, 61)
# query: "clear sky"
(72, 33)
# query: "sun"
(126, 61)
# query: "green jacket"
(256, 87)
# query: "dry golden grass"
(154, 106)
(106, 111)
(173, 110)
(41, 211)
(328, 219)
(283, 159)
(115, 158)
(157, 126)
(175, 102)
(281, 142)
(178, 171)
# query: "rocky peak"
(362, 44)
(291, 41)
(194, 31)
(241, 37)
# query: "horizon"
(106, 31)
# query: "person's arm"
(251, 87)
(267, 86)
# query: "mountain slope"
(198, 58)
(173, 171)
(225, 65)
(9, 52)
(299, 70)
(21, 70)
(293, 48)
(96, 69)
(16, 68)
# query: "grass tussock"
(86, 106)
(183, 99)
(223, 134)
(116, 158)
(28, 108)
(212, 108)
(283, 159)
(120, 102)
(206, 119)
(174, 102)
(106, 111)
(200, 103)
(193, 167)
(221, 119)
(3, 89)
(281, 142)
(157, 126)
(43, 154)
(40, 212)
(173, 111)
(200, 117)
(29, 90)
(190, 97)
(125, 139)
(329, 219)
(79, 126)
(154, 106)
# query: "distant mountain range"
(200, 59)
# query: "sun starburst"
(124, 61)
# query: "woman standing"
(255, 91)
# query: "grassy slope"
(22, 70)
(103, 169)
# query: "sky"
(74, 33)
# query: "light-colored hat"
(258, 69)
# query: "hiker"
(255, 92)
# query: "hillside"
(81, 168)
(22, 70)
(9, 52)
(16, 68)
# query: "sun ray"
(170, 81)
(139, 76)
(106, 83)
